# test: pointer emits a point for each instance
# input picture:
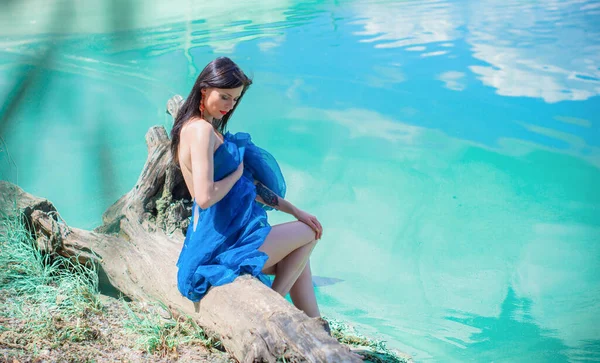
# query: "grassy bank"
(50, 310)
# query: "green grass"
(46, 299)
(161, 336)
(374, 351)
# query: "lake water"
(450, 149)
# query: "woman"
(226, 174)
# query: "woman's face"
(220, 101)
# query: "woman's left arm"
(266, 196)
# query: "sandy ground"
(107, 340)
(110, 342)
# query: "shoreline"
(139, 331)
(52, 308)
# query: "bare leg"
(290, 268)
(288, 246)
(303, 293)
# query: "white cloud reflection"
(434, 54)
(452, 80)
(548, 50)
(392, 24)
(528, 57)
(378, 127)
(395, 189)
(384, 76)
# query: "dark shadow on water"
(320, 281)
(376, 357)
(588, 352)
(515, 336)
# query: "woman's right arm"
(206, 191)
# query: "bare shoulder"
(197, 132)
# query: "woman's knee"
(310, 233)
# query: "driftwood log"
(137, 247)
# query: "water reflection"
(450, 237)
(108, 17)
(390, 24)
(496, 342)
(558, 264)
(107, 82)
(548, 50)
(453, 80)
(456, 219)
(159, 28)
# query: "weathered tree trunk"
(137, 248)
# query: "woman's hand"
(310, 221)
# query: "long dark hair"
(220, 73)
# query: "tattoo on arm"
(267, 195)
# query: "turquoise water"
(450, 149)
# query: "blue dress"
(222, 241)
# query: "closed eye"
(226, 97)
